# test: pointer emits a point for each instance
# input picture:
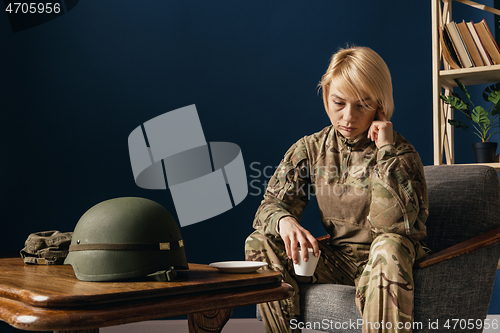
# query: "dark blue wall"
(74, 88)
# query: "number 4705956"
(33, 8)
(470, 324)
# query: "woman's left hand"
(380, 130)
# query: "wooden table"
(50, 298)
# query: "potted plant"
(483, 121)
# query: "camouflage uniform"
(373, 204)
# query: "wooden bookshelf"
(443, 81)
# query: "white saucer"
(238, 266)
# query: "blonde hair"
(360, 72)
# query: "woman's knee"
(257, 246)
(254, 245)
(390, 244)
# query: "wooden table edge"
(43, 299)
(27, 317)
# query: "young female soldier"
(372, 196)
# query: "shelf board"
(470, 76)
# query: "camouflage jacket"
(362, 191)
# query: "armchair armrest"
(479, 242)
(324, 238)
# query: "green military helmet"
(126, 238)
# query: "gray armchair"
(455, 282)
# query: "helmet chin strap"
(163, 276)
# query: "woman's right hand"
(292, 234)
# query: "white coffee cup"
(306, 268)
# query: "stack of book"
(469, 44)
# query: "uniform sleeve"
(399, 201)
(287, 193)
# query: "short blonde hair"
(360, 72)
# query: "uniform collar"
(359, 142)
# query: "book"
(488, 41)
(459, 45)
(480, 47)
(469, 44)
(449, 53)
(452, 47)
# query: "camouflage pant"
(382, 273)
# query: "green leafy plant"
(481, 120)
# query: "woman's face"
(350, 116)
